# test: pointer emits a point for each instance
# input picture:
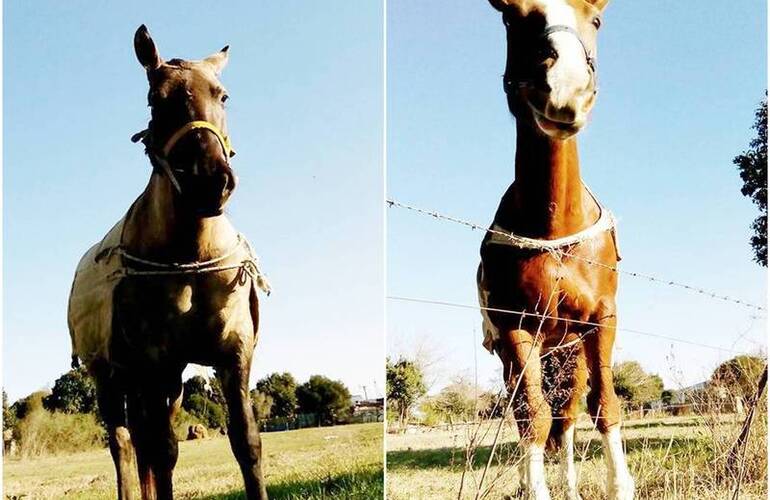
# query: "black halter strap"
(512, 85)
(556, 28)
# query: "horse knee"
(122, 439)
(246, 444)
(604, 408)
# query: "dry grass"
(670, 458)
(329, 463)
(45, 433)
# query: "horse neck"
(157, 227)
(547, 199)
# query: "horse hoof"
(622, 490)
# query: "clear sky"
(305, 115)
(679, 85)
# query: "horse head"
(550, 74)
(187, 135)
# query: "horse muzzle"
(562, 118)
(207, 195)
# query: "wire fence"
(728, 408)
(559, 319)
(561, 253)
(565, 253)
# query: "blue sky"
(305, 116)
(679, 86)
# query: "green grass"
(314, 464)
(671, 458)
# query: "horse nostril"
(547, 53)
(228, 181)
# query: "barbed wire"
(582, 417)
(556, 318)
(654, 279)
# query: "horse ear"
(145, 49)
(599, 4)
(218, 61)
(500, 4)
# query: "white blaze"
(620, 484)
(570, 72)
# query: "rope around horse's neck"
(175, 267)
(249, 266)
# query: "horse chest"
(171, 316)
(540, 285)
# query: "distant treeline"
(66, 418)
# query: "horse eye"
(224, 98)
(597, 22)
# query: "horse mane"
(179, 63)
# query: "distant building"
(689, 395)
(369, 410)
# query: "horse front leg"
(604, 408)
(520, 355)
(156, 445)
(112, 409)
(242, 427)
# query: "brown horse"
(559, 265)
(173, 283)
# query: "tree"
(262, 403)
(211, 414)
(739, 375)
(667, 397)
(490, 404)
(204, 400)
(192, 386)
(328, 398)
(405, 384)
(282, 388)
(634, 386)
(73, 392)
(216, 394)
(752, 166)
(28, 404)
(456, 400)
(210, 388)
(9, 417)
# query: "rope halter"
(162, 157)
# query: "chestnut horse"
(559, 262)
(173, 283)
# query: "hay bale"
(197, 431)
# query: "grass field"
(671, 458)
(320, 463)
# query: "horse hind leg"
(522, 371)
(567, 375)
(112, 409)
(604, 407)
